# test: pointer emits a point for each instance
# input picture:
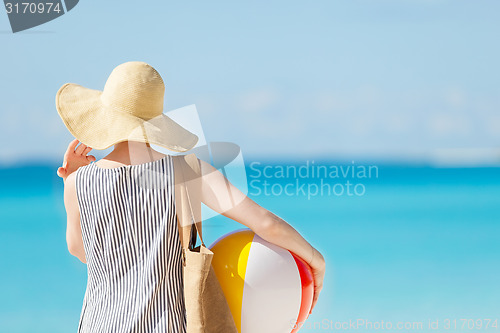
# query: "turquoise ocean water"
(412, 245)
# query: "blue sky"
(393, 79)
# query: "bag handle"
(185, 187)
(192, 215)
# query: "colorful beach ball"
(268, 288)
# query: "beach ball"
(268, 288)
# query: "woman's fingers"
(315, 298)
(72, 145)
(73, 158)
(86, 151)
(69, 151)
(319, 275)
(80, 149)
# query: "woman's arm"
(223, 197)
(73, 229)
(74, 158)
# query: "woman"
(125, 233)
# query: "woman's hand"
(74, 158)
(318, 270)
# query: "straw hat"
(129, 108)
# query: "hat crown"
(135, 87)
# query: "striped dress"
(132, 247)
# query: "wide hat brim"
(100, 127)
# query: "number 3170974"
(33, 7)
(470, 324)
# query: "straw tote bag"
(207, 310)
